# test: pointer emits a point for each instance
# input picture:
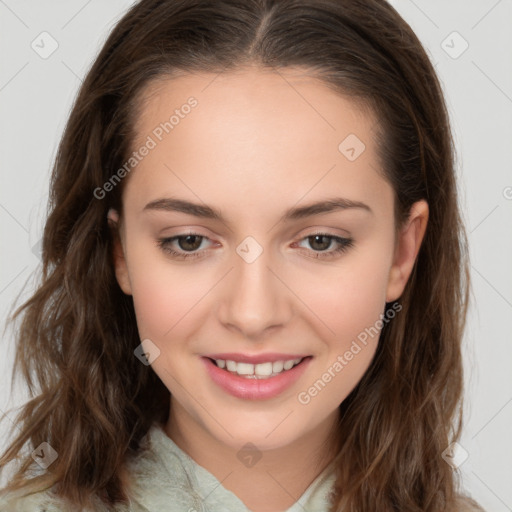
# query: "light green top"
(167, 479)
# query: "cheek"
(352, 298)
(349, 300)
(163, 294)
(349, 304)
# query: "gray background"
(36, 95)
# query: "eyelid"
(344, 243)
(163, 241)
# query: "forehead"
(256, 132)
(253, 95)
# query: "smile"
(259, 381)
(258, 371)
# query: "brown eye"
(320, 242)
(189, 242)
(323, 245)
(183, 246)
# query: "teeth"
(244, 368)
(257, 371)
(277, 366)
(288, 364)
(264, 369)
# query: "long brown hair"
(93, 401)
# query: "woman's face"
(293, 253)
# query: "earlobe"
(120, 265)
(407, 247)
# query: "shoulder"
(45, 501)
(36, 502)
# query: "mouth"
(265, 370)
(261, 381)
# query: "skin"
(257, 144)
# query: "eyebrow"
(295, 213)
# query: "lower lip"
(255, 389)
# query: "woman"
(255, 272)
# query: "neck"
(285, 472)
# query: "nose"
(254, 300)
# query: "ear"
(406, 250)
(120, 266)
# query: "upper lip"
(255, 358)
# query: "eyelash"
(344, 245)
